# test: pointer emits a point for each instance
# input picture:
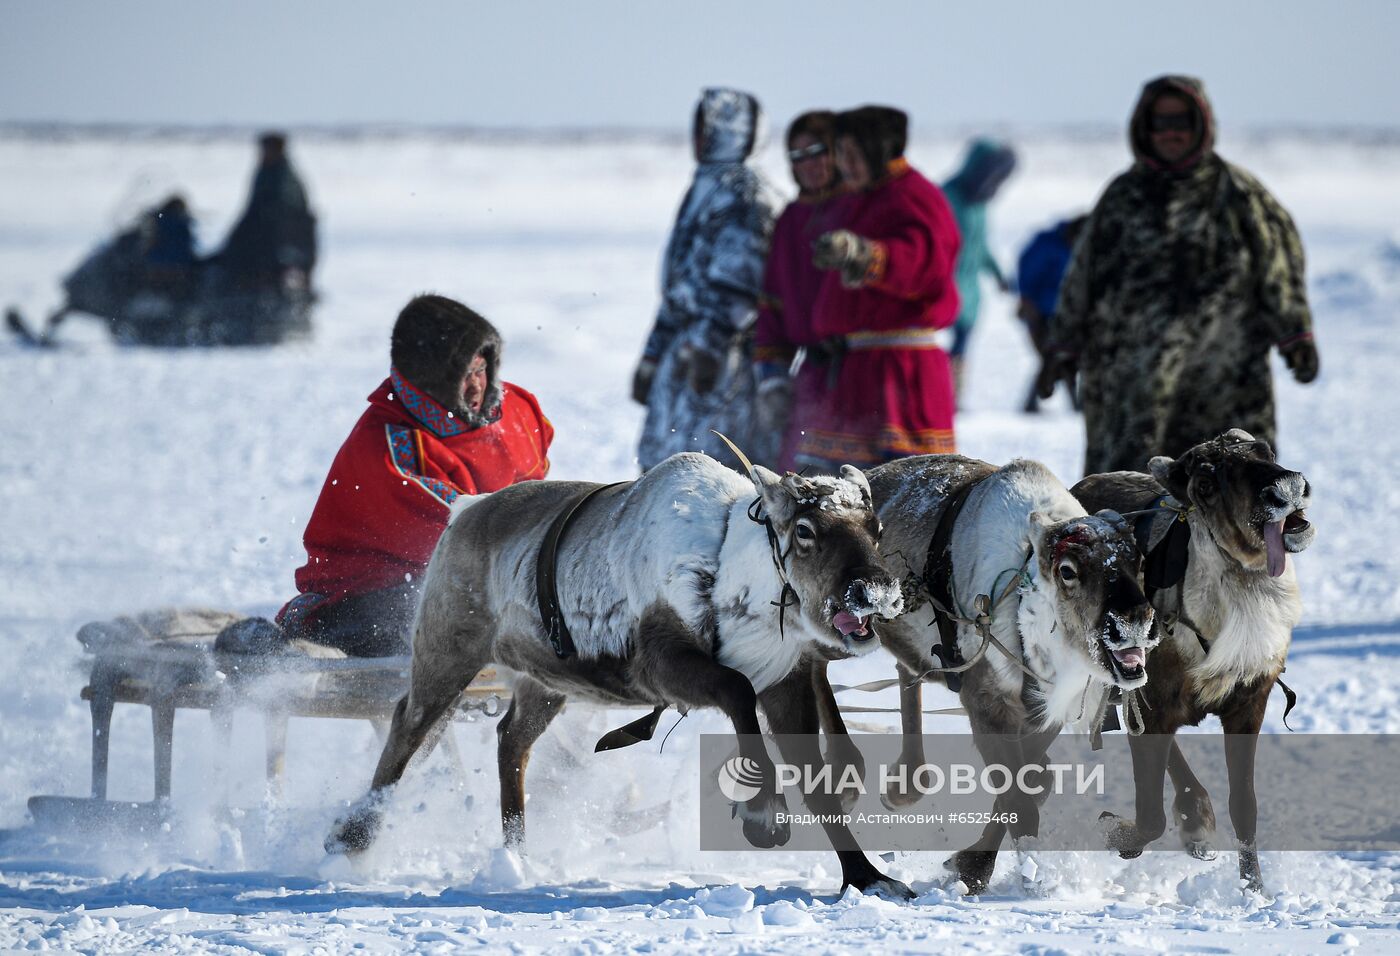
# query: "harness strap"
(1164, 559)
(938, 584)
(636, 732)
(547, 572)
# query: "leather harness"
(547, 572)
(938, 581)
(552, 617)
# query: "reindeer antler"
(743, 458)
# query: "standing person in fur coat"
(443, 424)
(889, 287)
(787, 401)
(1188, 272)
(696, 372)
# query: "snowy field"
(135, 478)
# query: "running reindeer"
(677, 589)
(1217, 524)
(1063, 622)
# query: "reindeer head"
(827, 534)
(1252, 507)
(1091, 568)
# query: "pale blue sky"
(578, 64)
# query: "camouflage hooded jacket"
(711, 279)
(1182, 280)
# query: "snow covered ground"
(137, 478)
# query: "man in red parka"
(443, 424)
(889, 288)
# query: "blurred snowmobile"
(151, 287)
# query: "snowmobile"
(149, 294)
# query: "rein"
(787, 597)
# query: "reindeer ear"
(1112, 517)
(857, 477)
(779, 502)
(1161, 468)
(1041, 526)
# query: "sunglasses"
(806, 152)
(1172, 123)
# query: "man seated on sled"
(443, 424)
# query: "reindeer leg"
(1192, 810)
(1241, 726)
(793, 715)
(842, 755)
(974, 865)
(532, 707)
(911, 749)
(1129, 837)
(442, 665)
(672, 663)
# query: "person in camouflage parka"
(696, 372)
(1187, 272)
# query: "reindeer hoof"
(1251, 879)
(884, 886)
(974, 868)
(1119, 834)
(1202, 850)
(354, 833)
(761, 826)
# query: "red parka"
(894, 393)
(385, 502)
(784, 324)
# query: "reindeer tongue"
(848, 623)
(1130, 657)
(1273, 543)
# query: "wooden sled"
(165, 660)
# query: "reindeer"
(1227, 602)
(677, 589)
(1068, 621)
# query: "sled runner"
(165, 660)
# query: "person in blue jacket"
(986, 168)
(1039, 270)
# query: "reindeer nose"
(1273, 496)
(867, 586)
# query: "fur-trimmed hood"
(434, 341)
(1140, 136)
(727, 125)
(881, 132)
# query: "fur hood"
(1140, 137)
(881, 132)
(727, 125)
(435, 339)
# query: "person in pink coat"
(788, 400)
(888, 288)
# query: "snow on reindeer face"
(1094, 570)
(829, 535)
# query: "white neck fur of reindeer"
(1247, 616)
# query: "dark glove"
(773, 404)
(702, 371)
(641, 380)
(846, 251)
(1056, 367)
(1301, 357)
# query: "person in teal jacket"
(987, 166)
